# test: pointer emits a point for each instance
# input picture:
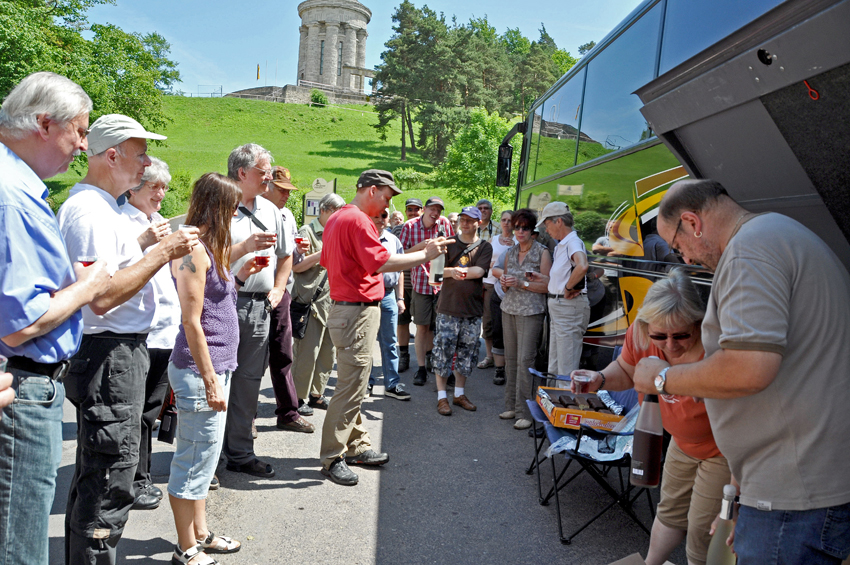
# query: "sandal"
(184, 557)
(220, 544)
(486, 363)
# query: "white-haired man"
(106, 380)
(43, 125)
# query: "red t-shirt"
(683, 417)
(352, 253)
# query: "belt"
(389, 290)
(123, 337)
(344, 303)
(555, 295)
(253, 295)
(55, 371)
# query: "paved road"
(454, 491)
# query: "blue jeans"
(388, 340)
(30, 454)
(812, 537)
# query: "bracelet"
(601, 374)
(239, 281)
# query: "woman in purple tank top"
(202, 363)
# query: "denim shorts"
(200, 431)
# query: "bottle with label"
(647, 445)
(438, 264)
(718, 552)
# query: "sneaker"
(522, 424)
(428, 366)
(320, 402)
(403, 361)
(499, 378)
(304, 409)
(339, 473)
(421, 377)
(368, 457)
(507, 415)
(397, 392)
(214, 483)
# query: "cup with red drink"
(86, 260)
(261, 259)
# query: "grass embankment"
(312, 142)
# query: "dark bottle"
(646, 449)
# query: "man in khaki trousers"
(355, 259)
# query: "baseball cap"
(472, 212)
(113, 129)
(377, 177)
(281, 178)
(553, 210)
(413, 202)
(435, 200)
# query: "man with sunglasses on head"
(412, 209)
(43, 124)
(256, 227)
(774, 377)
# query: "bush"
(176, 200)
(408, 178)
(318, 97)
(590, 225)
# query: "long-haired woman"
(202, 363)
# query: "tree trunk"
(403, 144)
(410, 129)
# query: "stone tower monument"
(332, 50)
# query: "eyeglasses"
(522, 228)
(673, 241)
(266, 172)
(674, 337)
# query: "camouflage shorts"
(455, 335)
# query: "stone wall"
(291, 94)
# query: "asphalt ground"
(454, 491)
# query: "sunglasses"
(675, 337)
(522, 228)
(384, 215)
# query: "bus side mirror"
(503, 166)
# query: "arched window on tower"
(321, 56)
(339, 60)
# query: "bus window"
(534, 143)
(611, 117)
(559, 128)
(691, 26)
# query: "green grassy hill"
(313, 142)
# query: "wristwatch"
(525, 284)
(661, 380)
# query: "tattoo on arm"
(187, 262)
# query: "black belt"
(124, 337)
(343, 303)
(389, 290)
(55, 371)
(555, 295)
(253, 295)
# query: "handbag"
(299, 314)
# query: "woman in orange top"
(668, 327)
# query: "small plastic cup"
(261, 258)
(185, 227)
(3, 364)
(582, 382)
(86, 260)
(299, 240)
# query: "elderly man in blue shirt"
(391, 306)
(43, 125)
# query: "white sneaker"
(508, 415)
(522, 424)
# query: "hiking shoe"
(368, 457)
(464, 403)
(443, 407)
(304, 409)
(397, 392)
(403, 361)
(339, 473)
(499, 378)
(421, 377)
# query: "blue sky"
(220, 43)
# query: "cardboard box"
(561, 417)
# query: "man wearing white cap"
(569, 309)
(106, 379)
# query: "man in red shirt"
(355, 259)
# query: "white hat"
(553, 210)
(112, 129)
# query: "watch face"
(659, 384)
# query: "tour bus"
(753, 94)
